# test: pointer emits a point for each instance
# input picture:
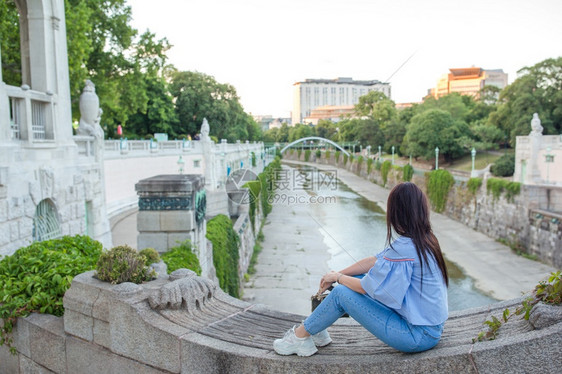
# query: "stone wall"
(531, 222)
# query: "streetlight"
(436, 158)
(392, 155)
(379, 152)
(473, 154)
(181, 163)
(549, 158)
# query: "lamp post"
(473, 154)
(549, 158)
(379, 152)
(436, 158)
(392, 155)
(181, 163)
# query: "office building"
(339, 92)
(468, 81)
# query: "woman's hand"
(327, 280)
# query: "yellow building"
(468, 81)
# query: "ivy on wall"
(337, 156)
(307, 155)
(439, 182)
(385, 168)
(407, 173)
(497, 186)
(369, 165)
(474, 185)
(225, 253)
(181, 257)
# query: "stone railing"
(32, 114)
(184, 324)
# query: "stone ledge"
(207, 331)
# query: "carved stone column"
(171, 210)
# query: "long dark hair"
(407, 212)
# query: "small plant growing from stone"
(548, 292)
(151, 255)
(123, 264)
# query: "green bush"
(181, 257)
(345, 158)
(407, 173)
(307, 155)
(254, 193)
(474, 184)
(369, 165)
(378, 165)
(327, 155)
(385, 168)
(438, 186)
(337, 156)
(253, 155)
(359, 162)
(151, 256)
(123, 264)
(504, 166)
(318, 154)
(225, 253)
(35, 278)
(299, 151)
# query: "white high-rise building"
(313, 93)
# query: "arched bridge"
(314, 138)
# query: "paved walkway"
(294, 255)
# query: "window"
(15, 117)
(196, 163)
(46, 224)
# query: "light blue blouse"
(396, 281)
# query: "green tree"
(10, 43)
(200, 96)
(283, 134)
(326, 129)
(538, 89)
(300, 131)
(435, 128)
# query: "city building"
(468, 81)
(267, 122)
(333, 113)
(339, 92)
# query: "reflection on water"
(354, 228)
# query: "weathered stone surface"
(158, 241)
(102, 333)
(148, 221)
(88, 358)
(47, 341)
(9, 363)
(28, 366)
(79, 325)
(140, 334)
(177, 221)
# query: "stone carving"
(188, 292)
(90, 112)
(165, 203)
(545, 315)
(536, 128)
(205, 131)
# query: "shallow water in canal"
(354, 227)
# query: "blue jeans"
(381, 321)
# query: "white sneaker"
(322, 339)
(290, 344)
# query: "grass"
(481, 160)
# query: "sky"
(263, 47)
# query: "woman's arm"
(346, 280)
(360, 267)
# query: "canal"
(354, 227)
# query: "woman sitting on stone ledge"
(399, 295)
